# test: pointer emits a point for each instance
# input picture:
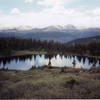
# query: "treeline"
(7, 45)
(92, 48)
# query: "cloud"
(29, 1)
(54, 2)
(15, 11)
(96, 11)
(51, 2)
(57, 15)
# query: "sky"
(41, 13)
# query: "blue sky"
(39, 13)
(7, 5)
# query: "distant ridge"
(85, 40)
(58, 33)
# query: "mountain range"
(57, 33)
(84, 40)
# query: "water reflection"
(26, 62)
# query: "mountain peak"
(69, 26)
(53, 28)
(59, 28)
(25, 27)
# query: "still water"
(26, 62)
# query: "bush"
(71, 81)
(32, 68)
(94, 70)
(63, 70)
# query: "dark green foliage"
(8, 45)
(92, 48)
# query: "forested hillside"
(7, 45)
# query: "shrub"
(94, 70)
(63, 70)
(71, 81)
(32, 68)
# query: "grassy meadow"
(50, 83)
(23, 52)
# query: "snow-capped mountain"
(59, 28)
(48, 28)
(25, 28)
(69, 27)
(56, 33)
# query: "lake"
(26, 62)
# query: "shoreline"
(23, 53)
(27, 52)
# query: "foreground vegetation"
(50, 83)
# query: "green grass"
(29, 52)
(45, 83)
(83, 55)
(25, 52)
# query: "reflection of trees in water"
(66, 56)
(40, 55)
(70, 56)
(79, 58)
(99, 61)
(92, 60)
(84, 60)
(74, 63)
(30, 57)
(16, 60)
(34, 56)
(4, 61)
(73, 57)
(61, 56)
(49, 56)
(7, 60)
